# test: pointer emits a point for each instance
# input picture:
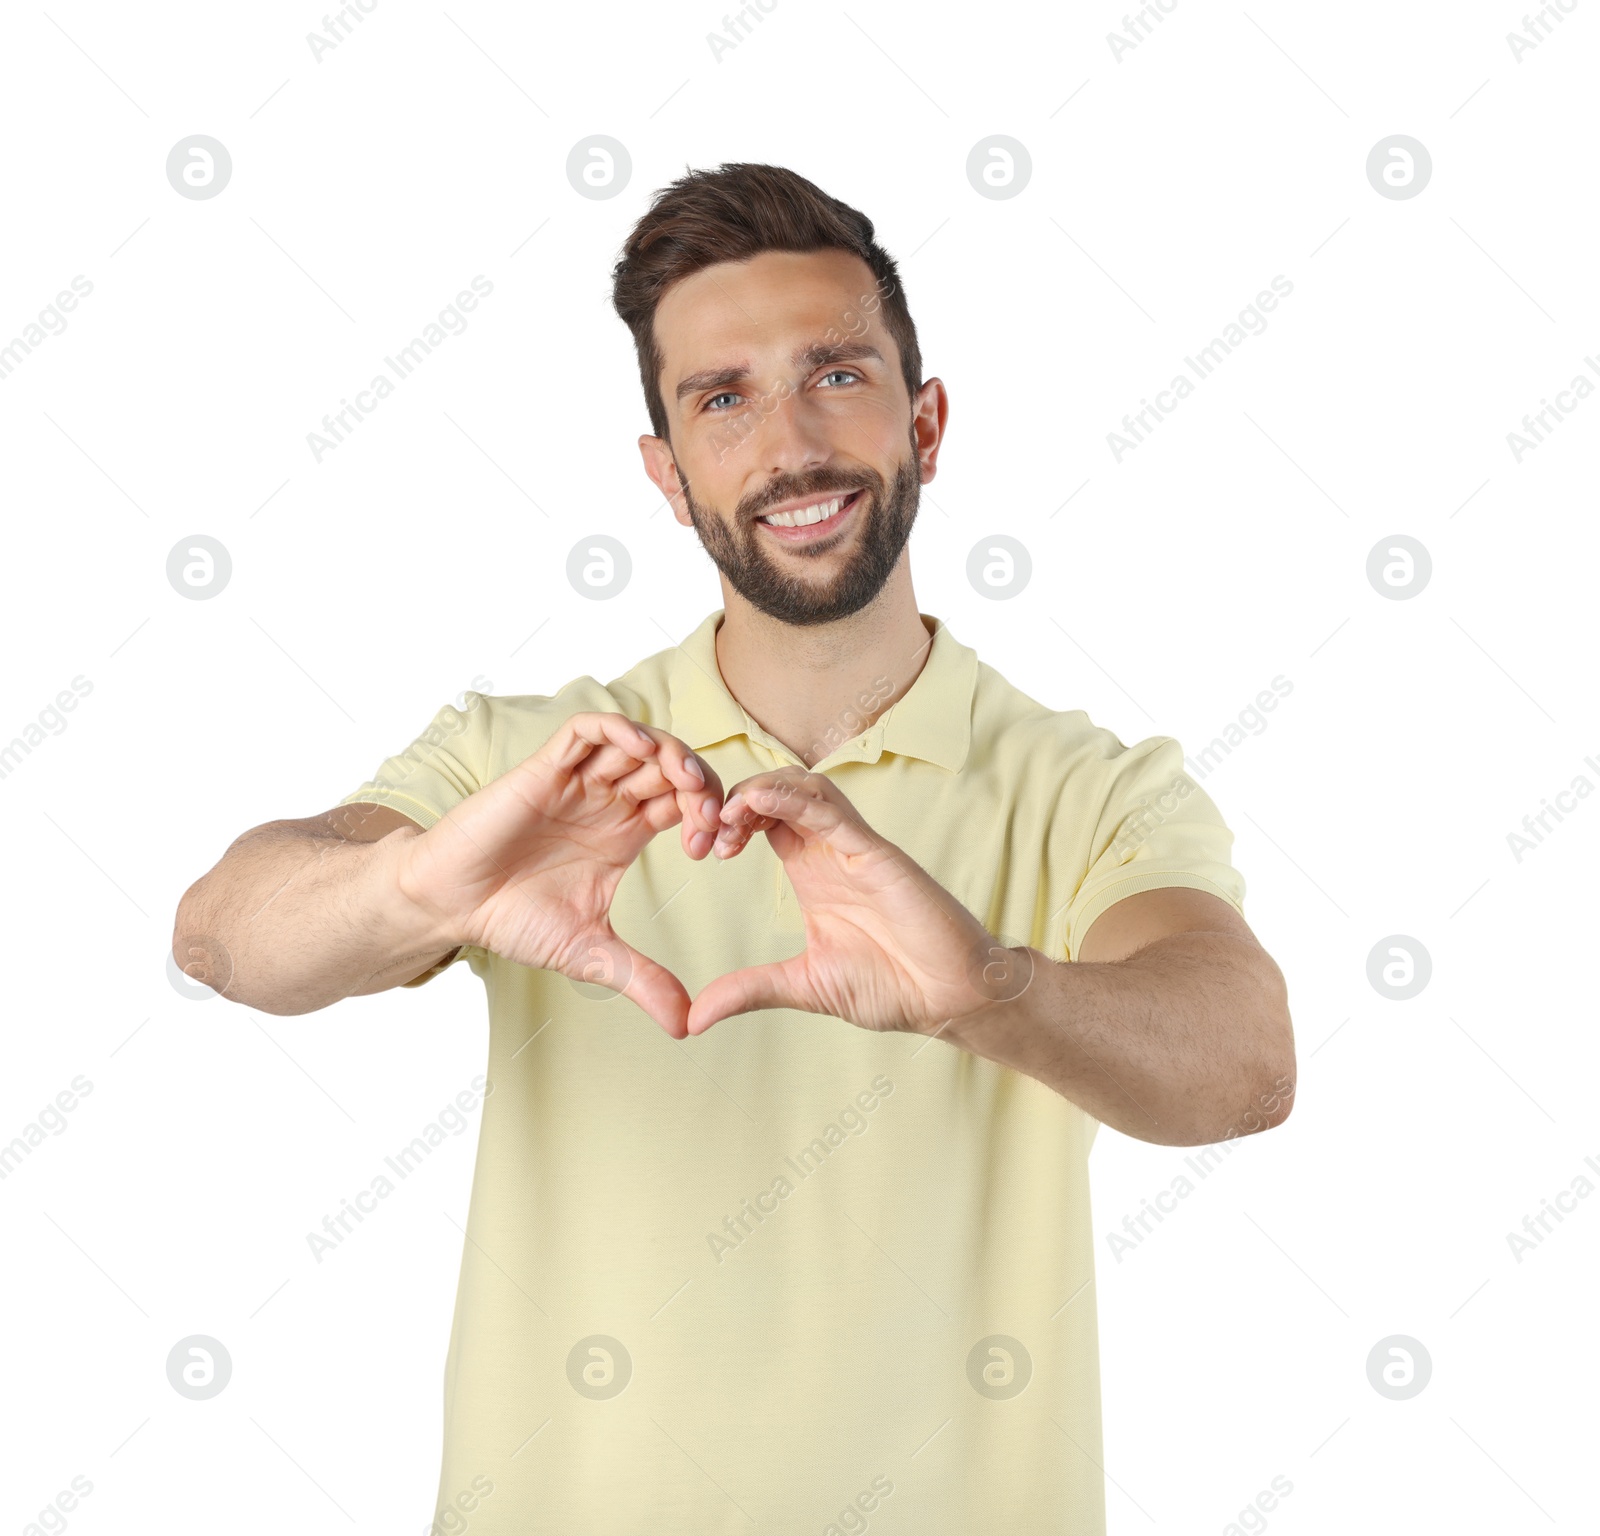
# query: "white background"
(1168, 187)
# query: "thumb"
(782, 984)
(611, 962)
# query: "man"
(780, 1219)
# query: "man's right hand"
(526, 867)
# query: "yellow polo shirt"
(791, 1275)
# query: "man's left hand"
(887, 947)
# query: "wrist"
(999, 978)
(412, 919)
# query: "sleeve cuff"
(1146, 880)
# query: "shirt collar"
(932, 720)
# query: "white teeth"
(807, 515)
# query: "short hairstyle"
(731, 214)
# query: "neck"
(815, 687)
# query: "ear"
(930, 409)
(662, 469)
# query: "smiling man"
(780, 1219)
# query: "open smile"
(816, 520)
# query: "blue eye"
(728, 394)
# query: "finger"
(680, 765)
(699, 827)
(652, 778)
(642, 781)
(610, 764)
(734, 836)
(695, 783)
(811, 804)
(606, 960)
(779, 985)
(738, 822)
(677, 764)
(698, 787)
(664, 806)
(659, 993)
(577, 736)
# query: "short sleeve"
(447, 762)
(474, 954)
(1158, 827)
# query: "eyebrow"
(805, 359)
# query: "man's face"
(783, 389)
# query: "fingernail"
(698, 843)
(694, 768)
(709, 807)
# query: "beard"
(756, 570)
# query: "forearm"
(289, 922)
(1185, 1042)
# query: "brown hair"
(731, 214)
